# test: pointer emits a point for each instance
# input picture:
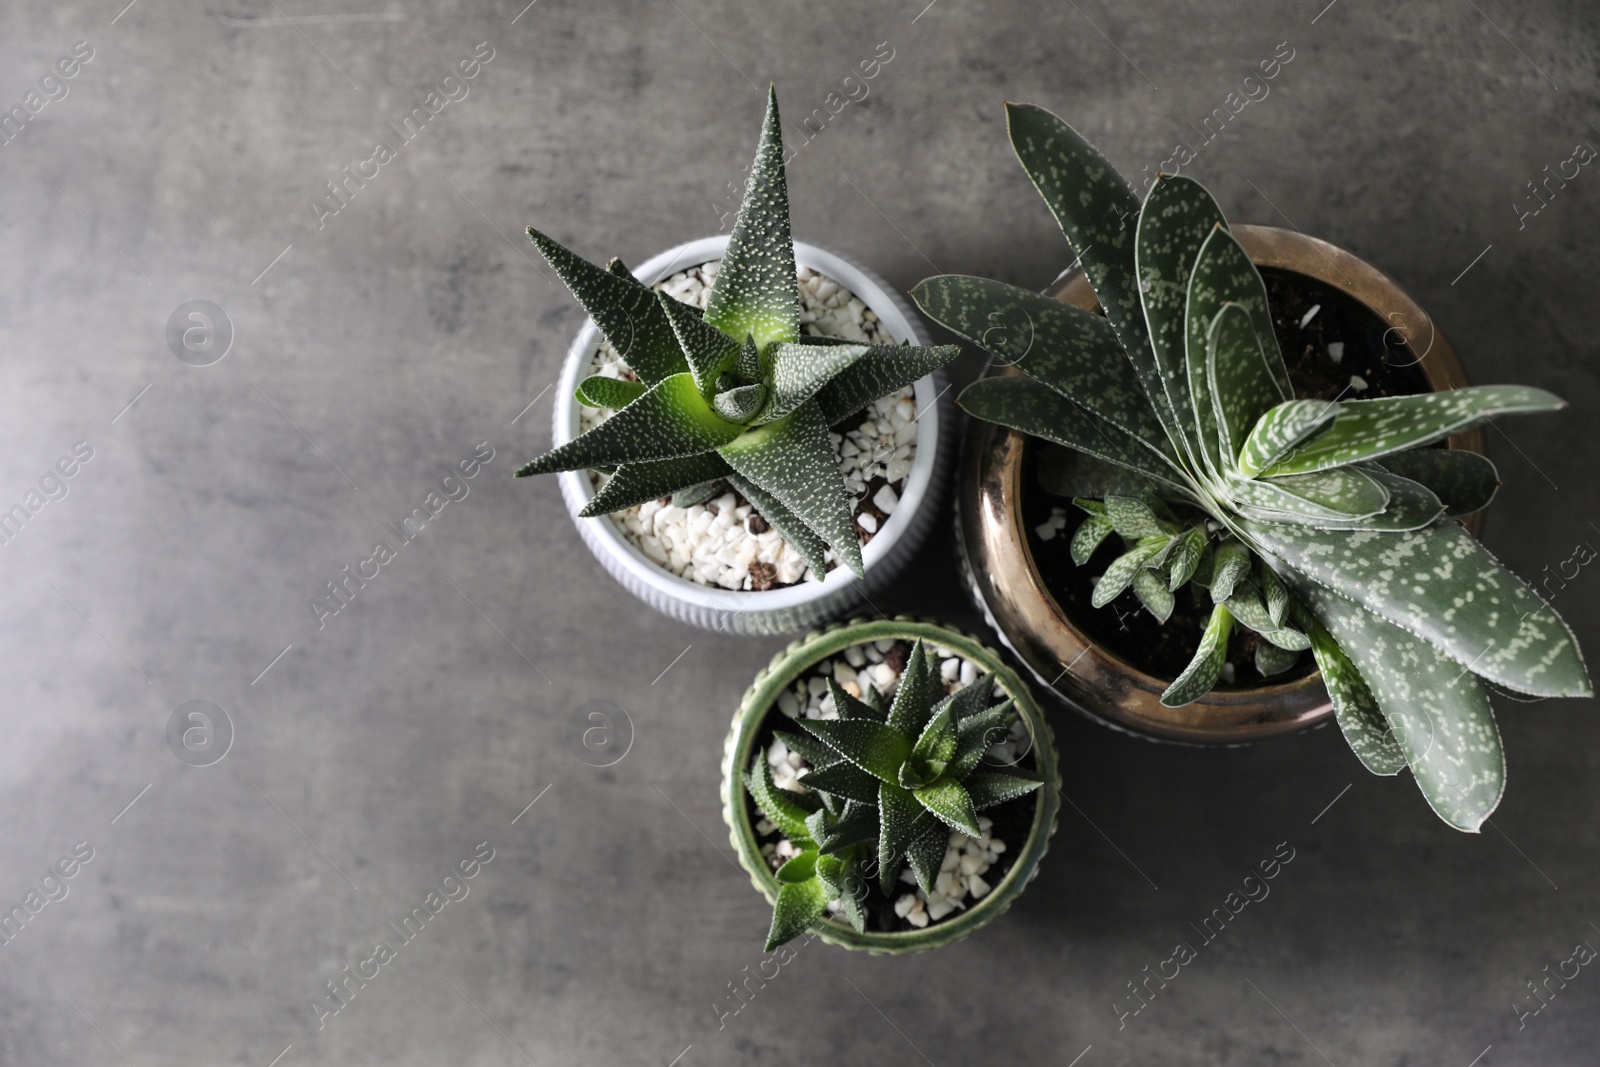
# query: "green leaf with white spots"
(926, 853)
(1224, 274)
(1091, 532)
(1274, 593)
(1206, 666)
(1272, 660)
(1463, 481)
(952, 804)
(990, 787)
(1186, 555)
(883, 370)
(1230, 567)
(1247, 609)
(625, 310)
(755, 291)
(789, 525)
(799, 905)
(900, 820)
(1343, 493)
(740, 403)
(1177, 217)
(747, 365)
(1154, 594)
(670, 421)
(599, 391)
(872, 746)
(1073, 351)
(614, 265)
(1038, 411)
(1355, 708)
(1437, 713)
(1441, 585)
(697, 494)
(1283, 429)
(1120, 574)
(1411, 506)
(710, 352)
(786, 809)
(914, 698)
(1134, 518)
(636, 483)
(798, 372)
(1371, 429)
(793, 460)
(1242, 384)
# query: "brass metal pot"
(1005, 581)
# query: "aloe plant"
(1319, 525)
(735, 393)
(886, 787)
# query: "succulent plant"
(733, 393)
(1317, 524)
(886, 787)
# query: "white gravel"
(967, 859)
(724, 542)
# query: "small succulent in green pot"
(891, 783)
(1320, 525)
(732, 394)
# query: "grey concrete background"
(377, 351)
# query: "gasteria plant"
(886, 786)
(734, 393)
(1317, 524)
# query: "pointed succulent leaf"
(710, 352)
(926, 853)
(1343, 493)
(799, 868)
(938, 740)
(811, 750)
(799, 905)
(952, 804)
(844, 779)
(1242, 384)
(636, 483)
(1441, 585)
(1411, 506)
(789, 526)
(1274, 592)
(1272, 660)
(615, 266)
(969, 700)
(793, 460)
(755, 291)
(828, 870)
(975, 736)
(741, 403)
(875, 748)
(1463, 481)
(1067, 472)
(849, 707)
(1177, 217)
(1206, 666)
(1186, 556)
(1355, 708)
(1247, 608)
(1097, 212)
(1024, 405)
(1120, 574)
(1371, 429)
(1091, 532)
(858, 824)
(914, 699)
(1154, 594)
(625, 310)
(747, 367)
(883, 370)
(1134, 518)
(697, 494)
(853, 890)
(1224, 274)
(1230, 567)
(990, 787)
(670, 421)
(1073, 351)
(900, 820)
(1281, 430)
(1437, 712)
(798, 372)
(599, 391)
(786, 809)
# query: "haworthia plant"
(1173, 425)
(886, 786)
(731, 394)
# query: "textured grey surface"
(380, 349)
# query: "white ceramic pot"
(809, 603)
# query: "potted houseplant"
(890, 781)
(1222, 494)
(747, 436)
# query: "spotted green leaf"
(1120, 574)
(952, 804)
(636, 483)
(1343, 493)
(883, 370)
(1437, 712)
(1411, 506)
(1206, 666)
(1154, 594)
(1243, 387)
(1371, 429)
(914, 698)
(790, 526)
(1463, 481)
(1134, 518)
(793, 460)
(1231, 566)
(710, 352)
(1355, 708)
(1274, 593)
(599, 391)
(670, 421)
(740, 403)
(1246, 607)
(755, 292)
(1224, 274)
(1272, 660)
(1283, 428)
(1441, 585)
(872, 746)
(697, 494)
(798, 372)
(1186, 556)
(1091, 532)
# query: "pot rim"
(919, 486)
(1034, 626)
(800, 656)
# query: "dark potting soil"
(1374, 361)
(1012, 822)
